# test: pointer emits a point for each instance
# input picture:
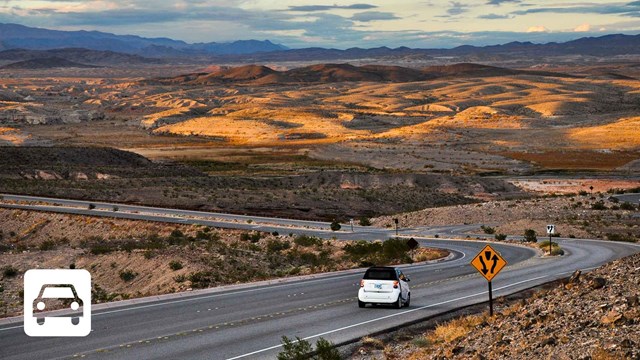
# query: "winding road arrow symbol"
(495, 263)
(484, 266)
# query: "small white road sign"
(551, 229)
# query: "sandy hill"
(46, 63)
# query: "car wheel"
(361, 304)
(408, 302)
(398, 303)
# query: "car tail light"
(361, 283)
(395, 284)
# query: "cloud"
(537, 29)
(500, 2)
(583, 28)
(457, 8)
(373, 16)
(629, 9)
(494, 17)
(308, 8)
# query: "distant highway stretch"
(247, 321)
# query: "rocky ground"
(593, 315)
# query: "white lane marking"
(389, 316)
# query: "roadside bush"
(500, 237)
(300, 349)
(202, 279)
(92, 206)
(175, 265)
(395, 250)
(306, 241)
(254, 238)
(488, 229)
(364, 221)
(622, 237)
(128, 275)
(335, 225)
(179, 278)
(277, 245)
(530, 235)
(627, 206)
(598, 205)
(9, 271)
(47, 245)
(99, 249)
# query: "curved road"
(247, 321)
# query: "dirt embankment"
(592, 316)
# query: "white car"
(384, 285)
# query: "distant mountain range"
(14, 36)
(113, 49)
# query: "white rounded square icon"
(57, 302)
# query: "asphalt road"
(247, 322)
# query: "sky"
(334, 23)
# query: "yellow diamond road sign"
(488, 262)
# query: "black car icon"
(50, 298)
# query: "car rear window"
(380, 274)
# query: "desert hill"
(335, 73)
(46, 63)
(78, 55)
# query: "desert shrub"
(275, 233)
(254, 238)
(335, 225)
(92, 206)
(128, 275)
(175, 265)
(501, 237)
(583, 193)
(530, 235)
(627, 206)
(9, 271)
(301, 349)
(326, 350)
(294, 350)
(47, 245)
(176, 234)
(179, 278)
(115, 208)
(72, 266)
(598, 205)
(277, 245)
(362, 249)
(306, 241)
(622, 237)
(99, 295)
(395, 250)
(488, 229)
(99, 249)
(201, 279)
(364, 221)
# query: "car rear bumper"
(378, 298)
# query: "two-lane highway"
(247, 322)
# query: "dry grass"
(456, 328)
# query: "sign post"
(551, 229)
(351, 222)
(396, 221)
(489, 262)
